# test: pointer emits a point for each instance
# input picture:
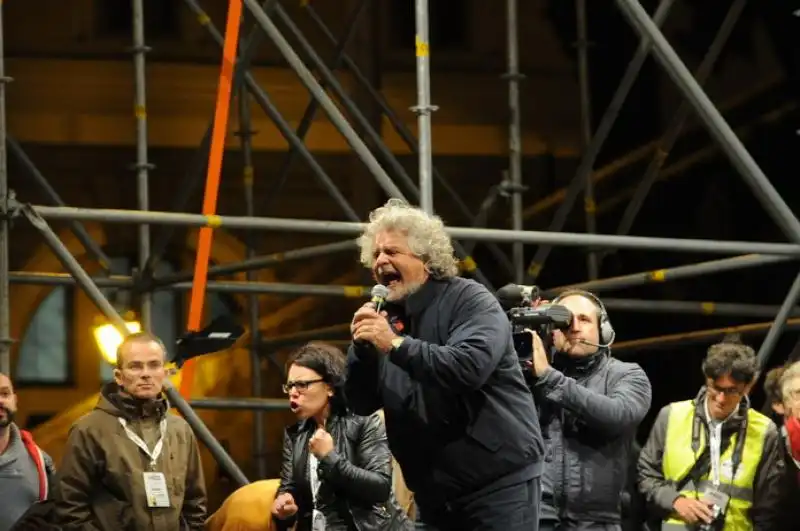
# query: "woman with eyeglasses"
(337, 469)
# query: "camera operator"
(439, 359)
(591, 405)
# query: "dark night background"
(711, 202)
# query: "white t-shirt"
(317, 518)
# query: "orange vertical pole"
(216, 152)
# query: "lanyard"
(715, 443)
(715, 447)
(141, 444)
(313, 476)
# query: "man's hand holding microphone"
(371, 324)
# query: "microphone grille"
(379, 291)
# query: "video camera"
(518, 300)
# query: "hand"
(692, 511)
(540, 362)
(373, 327)
(321, 443)
(284, 506)
(366, 311)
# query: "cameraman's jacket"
(590, 409)
(667, 460)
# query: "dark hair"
(327, 361)
(731, 357)
(772, 385)
(138, 337)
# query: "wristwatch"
(396, 342)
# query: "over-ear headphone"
(607, 333)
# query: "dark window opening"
(115, 18)
(44, 352)
(448, 24)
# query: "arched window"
(44, 350)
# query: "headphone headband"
(607, 333)
(583, 293)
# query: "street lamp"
(108, 339)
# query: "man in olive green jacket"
(129, 464)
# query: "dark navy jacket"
(459, 416)
(591, 408)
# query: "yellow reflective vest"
(679, 458)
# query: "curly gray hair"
(788, 377)
(427, 237)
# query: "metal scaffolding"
(394, 180)
(142, 165)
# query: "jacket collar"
(15, 446)
(129, 407)
(578, 366)
(310, 425)
(416, 302)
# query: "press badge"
(717, 499)
(317, 521)
(155, 487)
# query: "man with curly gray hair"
(439, 359)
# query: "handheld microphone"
(379, 293)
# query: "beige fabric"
(404, 496)
(248, 508)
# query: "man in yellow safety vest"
(713, 463)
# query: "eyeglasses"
(300, 385)
(728, 392)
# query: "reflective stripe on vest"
(679, 458)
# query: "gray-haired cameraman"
(591, 406)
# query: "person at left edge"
(129, 464)
(25, 470)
